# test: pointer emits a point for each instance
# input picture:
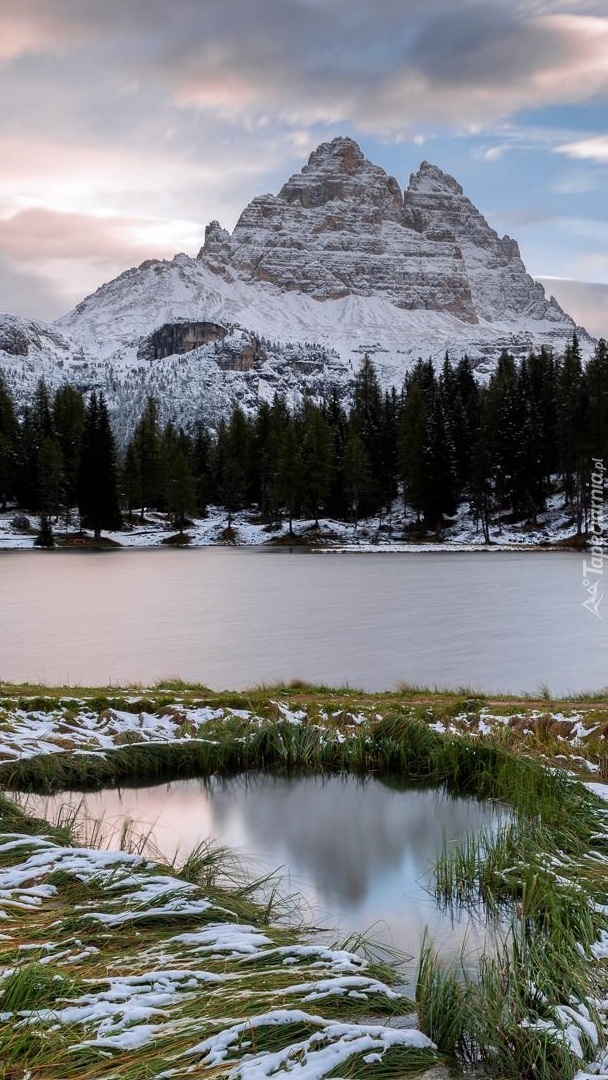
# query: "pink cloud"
(32, 26)
(70, 255)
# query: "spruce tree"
(97, 481)
(68, 424)
(411, 447)
(368, 415)
(179, 482)
(316, 458)
(51, 478)
(143, 462)
(358, 479)
(8, 445)
(289, 481)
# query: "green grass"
(34, 987)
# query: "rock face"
(436, 208)
(173, 339)
(342, 227)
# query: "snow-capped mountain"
(339, 263)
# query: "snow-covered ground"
(214, 959)
(75, 727)
(462, 533)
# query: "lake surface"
(237, 618)
(358, 852)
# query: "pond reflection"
(360, 853)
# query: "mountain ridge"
(340, 262)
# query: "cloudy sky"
(127, 125)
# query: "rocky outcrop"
(501, 290)
(32, 338)
(172, 339)
(14, 340)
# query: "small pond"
(358, 852)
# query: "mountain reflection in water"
(359, 852)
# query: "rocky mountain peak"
(343, 227)
(338, 171)
(339, 228)
(341, 154)
(431, 178)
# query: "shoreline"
(88, 544)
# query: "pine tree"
(51, 480)
(503, 417)
(202, 467)
(337, 498)
(358, 479)
(231, 462)
(180, 485)
(438, 497)
(263, 460)
(27, 488)
(44, 537)
(596, 379)
(412, 440)
(572, 428)
(373, 426)
(482, 480)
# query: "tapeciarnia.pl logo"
(593, 572)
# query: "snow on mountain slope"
(29, 337)
(338, 264)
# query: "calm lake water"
(237, 618)
(360, 864)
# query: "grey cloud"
(28, 294)
(483, 44)
(375, 63)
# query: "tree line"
(504, 446)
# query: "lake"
(233, 618)
(361, 864)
